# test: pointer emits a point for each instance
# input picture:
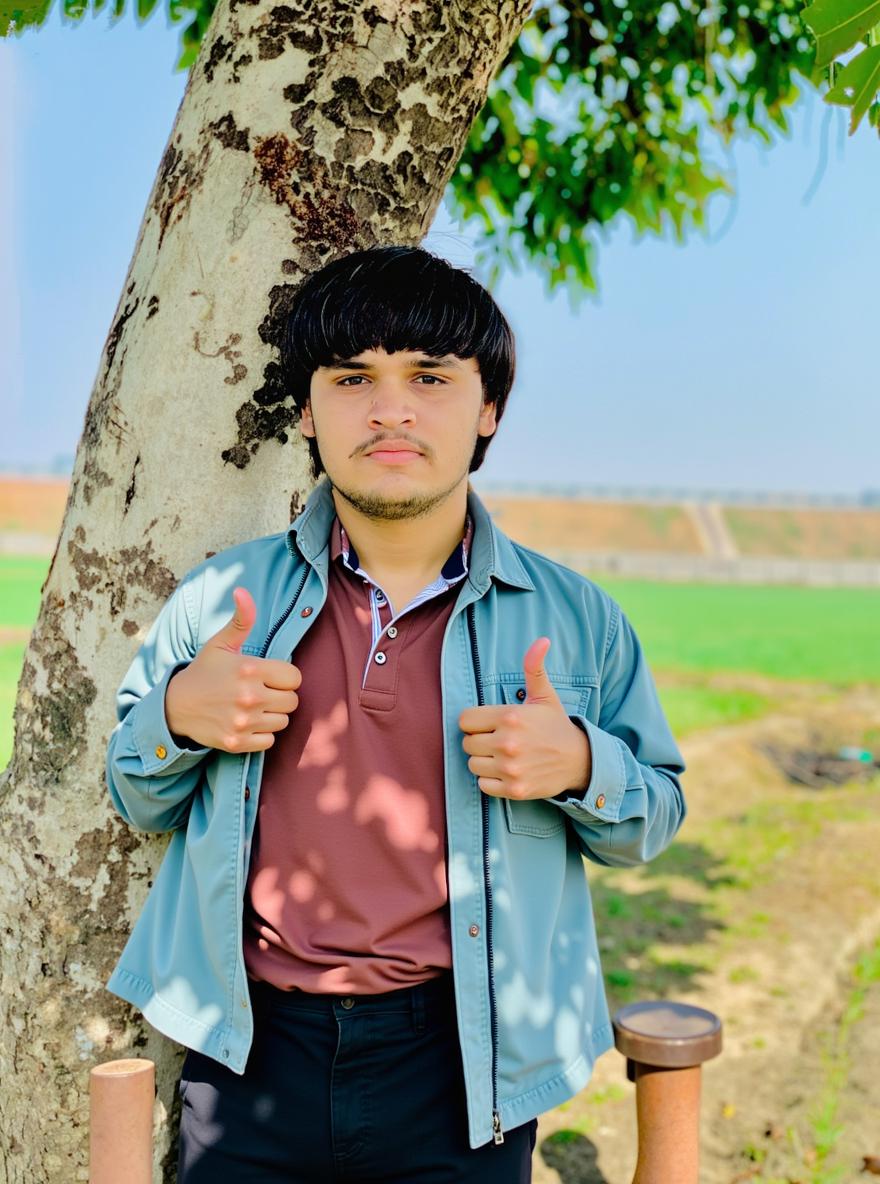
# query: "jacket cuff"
(157, 748)
(603, 796)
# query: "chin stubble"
(384, 509)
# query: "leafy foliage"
(838, 26)
(603, 108)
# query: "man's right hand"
(228, 700)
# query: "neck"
(406, 548)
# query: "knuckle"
(246, 670)
(240, 721)
(510, 747)
(511, 718)
(231, 743)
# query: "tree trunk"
(306, 131)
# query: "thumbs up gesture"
(528, 751)
(229, 700)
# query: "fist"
(228, 700)
(532, 750)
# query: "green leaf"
(145, 7)
(838, 25)
(17, 16)
(858, 84)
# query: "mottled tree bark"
(307, 130)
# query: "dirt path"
(760, 912)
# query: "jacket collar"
(492, 555)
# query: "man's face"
(396, 432)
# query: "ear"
(488, 422)
(306, 423)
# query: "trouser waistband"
(424, 1000)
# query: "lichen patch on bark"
(229, 135)
(285, 171)
(115, 574)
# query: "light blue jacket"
(532, 1014)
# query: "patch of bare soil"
(13, 634)
(32, 505)
(573, 524)
(789, 877)
(806, 533)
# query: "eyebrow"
(447, 362)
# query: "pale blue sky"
(745, 361)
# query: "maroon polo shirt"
(347, 887)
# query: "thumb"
(234, 633)
(539, 688)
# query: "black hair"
(395, 298)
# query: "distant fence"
(709, 569)
(868, 499)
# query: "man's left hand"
(528, 751)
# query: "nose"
(391, 405)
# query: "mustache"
(398, 438)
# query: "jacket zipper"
(263, 652)
(497, 1133)
(285, 614)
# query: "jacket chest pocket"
(539, 818)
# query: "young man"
(383, 741)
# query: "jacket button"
(600, 801)
(474, 931)
(247, 793)
(307, 611)
(380, 658)
(161, 751)
(521, 694)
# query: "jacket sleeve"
(151, 779)
(633, 805)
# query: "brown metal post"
(665, 1044)
(121, 1122)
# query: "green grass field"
(691, 632)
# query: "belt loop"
(418, 1006)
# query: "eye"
(434, 379)
(345, 381)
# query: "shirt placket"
(384, 626)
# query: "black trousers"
(366, 1089)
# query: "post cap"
(667, 1035)
(124, 1067)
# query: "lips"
(394, 452)
(394, 456)
(394, 446)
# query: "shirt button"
(347, 1002)
(247, 793)
(380, 597)
(161, 751)
(521, 694)
(392, 631)
(380, 659)
(307, 611)
(474, 931)
(600, 801)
